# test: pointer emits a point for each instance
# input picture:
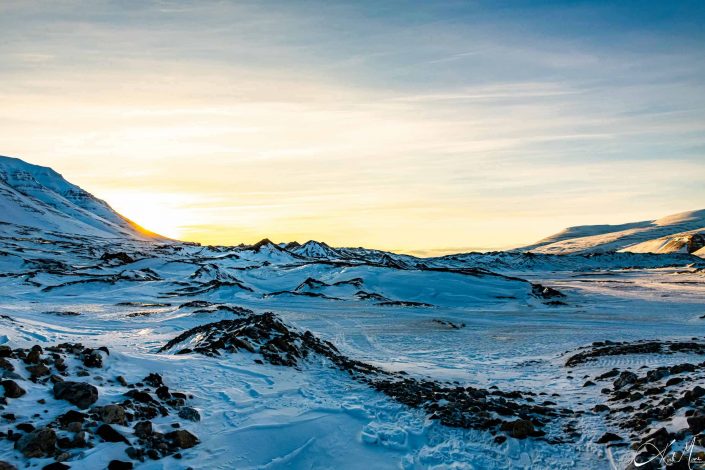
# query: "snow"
(605, 238)
(258, 415)
(39, 197)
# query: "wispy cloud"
(440, 124)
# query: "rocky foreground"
(71, 374)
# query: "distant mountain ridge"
(37, 196)
(678, 233)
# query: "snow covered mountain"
(308, 356)
(37, 196)
(677, 233)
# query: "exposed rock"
(112, 414)
(92, 358)
(519, 429)
(120, 465)
(12, 389)
(608, 437)
(71, 416)
(143, 429)
(38, 370)
(189, 413)
(109, 434)
(696, 424)
(625, 378)
(56, 466)
(39, 443)
(182, 438)
(80, 394)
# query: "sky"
(412, 126)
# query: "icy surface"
(258, 415)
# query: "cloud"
(442, 125)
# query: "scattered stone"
(39, 443)
(696, 424)
(109, 434)
(182, 438)
(519, 429)
(55, 466)
(12, 389)
(25, 427)
(120, 465)
(112, 414)
(80, 394)
(625, 378)
(608, 437)
(189, 413)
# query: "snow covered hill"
(121, 349)
(680, 232)
(37, 196)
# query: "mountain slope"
(638, 237)
(37, 196)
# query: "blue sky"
(416, 126)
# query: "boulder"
(39, 443)
(80, 394)
(12, 390)
(109, 434)
(182, 439)
(189, 413)
(112, 414)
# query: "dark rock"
(143, 429)
(112, 414)
(625, 378)
(74, 427)
(33, 356)
(182, 439)
(189, 413)
(80, 394)
(519, 429)
(142, 397)
(153, 380)
(39, 370)
(600, 408)
(120, 465)
(696, 424)
(674, 381)
(12, 390)
(55, 466)
(92, 358)
(39, 443)
(109, 434)
(608, 437)
(71, 416)
(163, 392)
(7, 466)
(25, 427)
(121, 257)
(5, 350)
(135, 453)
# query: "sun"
(155, 212)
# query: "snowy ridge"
(638, 236)
(37, 196)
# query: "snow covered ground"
(447, 320)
